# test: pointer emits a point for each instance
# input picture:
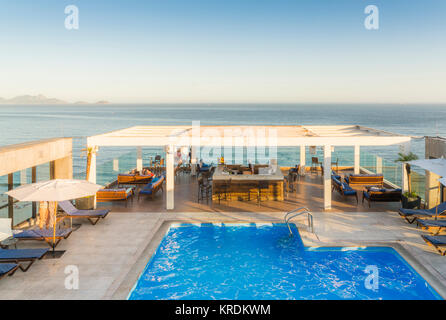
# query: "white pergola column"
(357, 159)
(193, 160)
(405, 179)
(139, 159)
(170, 178)
(302, 159)
(379, 164)
(327, 177)
(92, 176)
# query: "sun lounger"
(120, 194)
(22, 255)
(365, 179)
(433, 226)
(134, 178)
(438, 242)
(343, 188)
(426, 213)
(151, 188)
(92, 215)
(374, 194)
(7, 269)
(43, 235)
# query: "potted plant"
(409, 199)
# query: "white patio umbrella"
(54, 191)
(442, 181)
(437, 166)
(5, 229)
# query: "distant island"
(41, 99)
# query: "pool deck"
(110, 255)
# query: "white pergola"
(196, 136)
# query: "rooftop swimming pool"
(262, 261)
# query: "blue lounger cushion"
(336, 180)
(148, 189)
(436, 240)
(6, 267)
(346, 189)
(334, 174)
(424, 212)
(71, 210)
(432, 223)
(42, 233)
(21, 254)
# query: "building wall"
(435, 148)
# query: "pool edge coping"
(124, 284)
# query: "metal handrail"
(297, 212)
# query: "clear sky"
(224, 51)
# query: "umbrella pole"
(438, 200)
(54, 226)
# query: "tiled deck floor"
(105, 253)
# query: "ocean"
(33, 122)
(26, 123)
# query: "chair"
(427, 213)
(22, 255)
(134, 178)
(7, 269)
(315, 164)
(221, 190)
(365, 179)
(438, 242)
(153, 187)
(343, 188)
(204, 189)
(292, 180)
(374, 194)
(92, 215)
(43, 235)
(336, 164)
(117, 194)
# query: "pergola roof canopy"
(341, 135)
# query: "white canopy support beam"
(92, 176)
(357, 159)
(379, 164)
(327, 177)
(170, 177)
(193, 160)
(139, 159)
(302, 158)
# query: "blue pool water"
(263, 262)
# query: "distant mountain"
(40, 99)
(28, 99)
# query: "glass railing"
(114, 163)
(22, 210)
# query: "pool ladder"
(298, 212)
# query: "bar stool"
(314, 164)
(222, 190)
(204, 190)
